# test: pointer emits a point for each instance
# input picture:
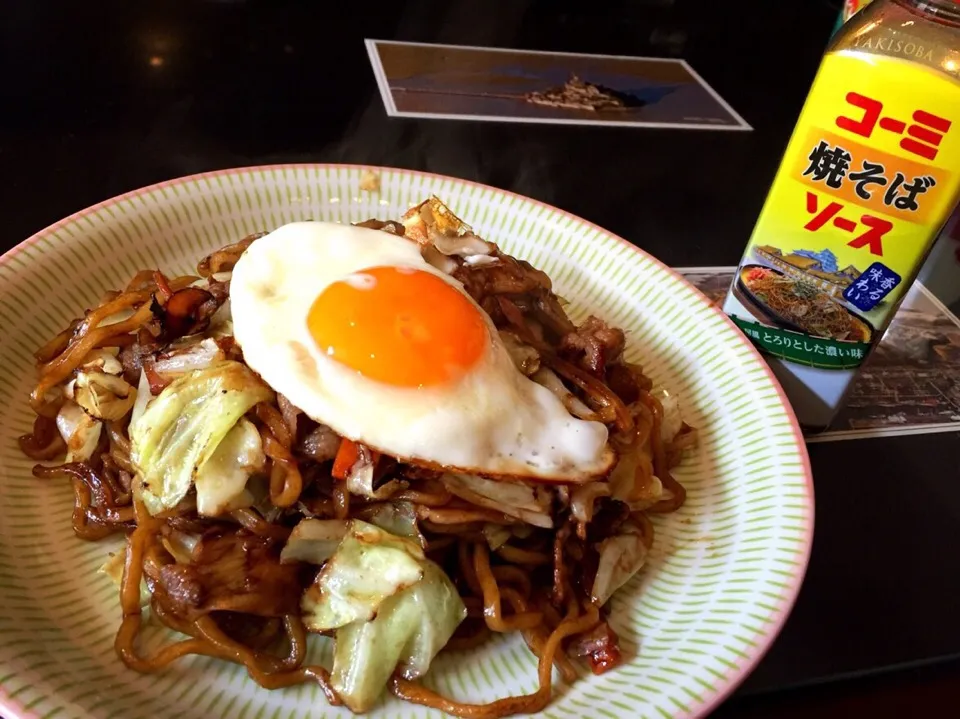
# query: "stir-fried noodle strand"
(218, 578)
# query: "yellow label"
(863, 186)
(870, 175)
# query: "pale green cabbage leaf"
(180, 430)
(405, 608)
(221, 482)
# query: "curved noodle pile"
(220, 581)
(806, 306)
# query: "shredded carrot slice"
(347, 456)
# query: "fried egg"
(356, 329)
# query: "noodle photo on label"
(797, 304)
(388, 434)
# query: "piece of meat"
(219, 293)
(238, 572)
(132, 356)
(628, 382)
(514, 318)
(593, 345)
(231, 350)
(157, 382)
(608, 515)
(550, 313)
(257, 633)
(290, 412)
(319, 444)
(219, 290)
(507, 276)
(183, 589)
(187, 312)
(600, 646)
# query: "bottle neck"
(946, 12)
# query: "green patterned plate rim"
(722, 577)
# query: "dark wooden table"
(84, 116)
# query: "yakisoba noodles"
(250, 525)
(803, 304)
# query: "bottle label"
(851, 7)
(870, 175)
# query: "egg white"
(492, 421)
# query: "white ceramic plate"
(721, 579)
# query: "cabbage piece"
(221, 482)
(625, 487)
(515, 499)
(496, 535)
(101, 395)
(435, 257)
(368, 566)
(398, 518)
(188, 356)
(313, 541)
(103, 359)
(410, 628)
(521, 531)
(621, 556)
(143, 398)
(182, 427)
(393, 610)
(432, 223)
(360, 479)
(632, 479)
(525, 358)
(648, 494)
(583, 499)
(180, 545)
(113, 568)
(79, 430)
(672, 421)
(546, 377)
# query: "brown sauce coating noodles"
(512, 576)
(803, 304)
(528, 704)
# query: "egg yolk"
(398, 325)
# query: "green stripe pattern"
(722, 575)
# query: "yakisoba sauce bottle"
(870, 175)
(851, 8)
